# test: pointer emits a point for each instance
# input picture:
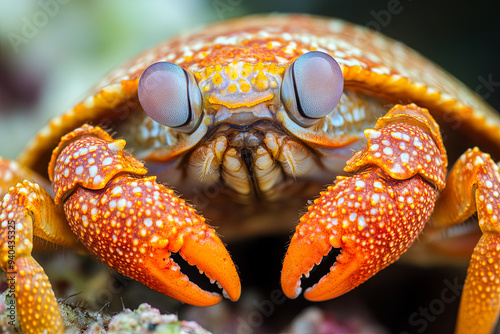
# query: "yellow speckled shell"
(370, 62)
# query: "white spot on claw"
(372, 134)
(397, 135)
(93, 171)
(122, 203)
(97, 179)
(85, 221)
(115, 147)
(405, 157)
(360, 184)
(361, 221)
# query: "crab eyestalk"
(375, 215)
(132, 223)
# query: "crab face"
(268, 115)
(250, 122)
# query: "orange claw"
(375, 215)
(133, 223)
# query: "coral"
(145, 319)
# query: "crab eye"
(170, 96)
(312, 87)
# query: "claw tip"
(297, 291)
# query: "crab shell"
(371, 63)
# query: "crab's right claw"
(375, 215)
(132, 223)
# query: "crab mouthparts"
(252, 160)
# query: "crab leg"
(373, 216)
(11, 173)
(131, 222)
(474, 185)
(26, 210)
(47, 220)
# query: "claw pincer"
(375, 215)
(132, 223)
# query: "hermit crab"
(264, 113)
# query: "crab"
(259, 114)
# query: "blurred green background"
(74, 43)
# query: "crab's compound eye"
(312, 87)
(170, 96)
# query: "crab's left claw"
(132, 223)
(375, 215)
